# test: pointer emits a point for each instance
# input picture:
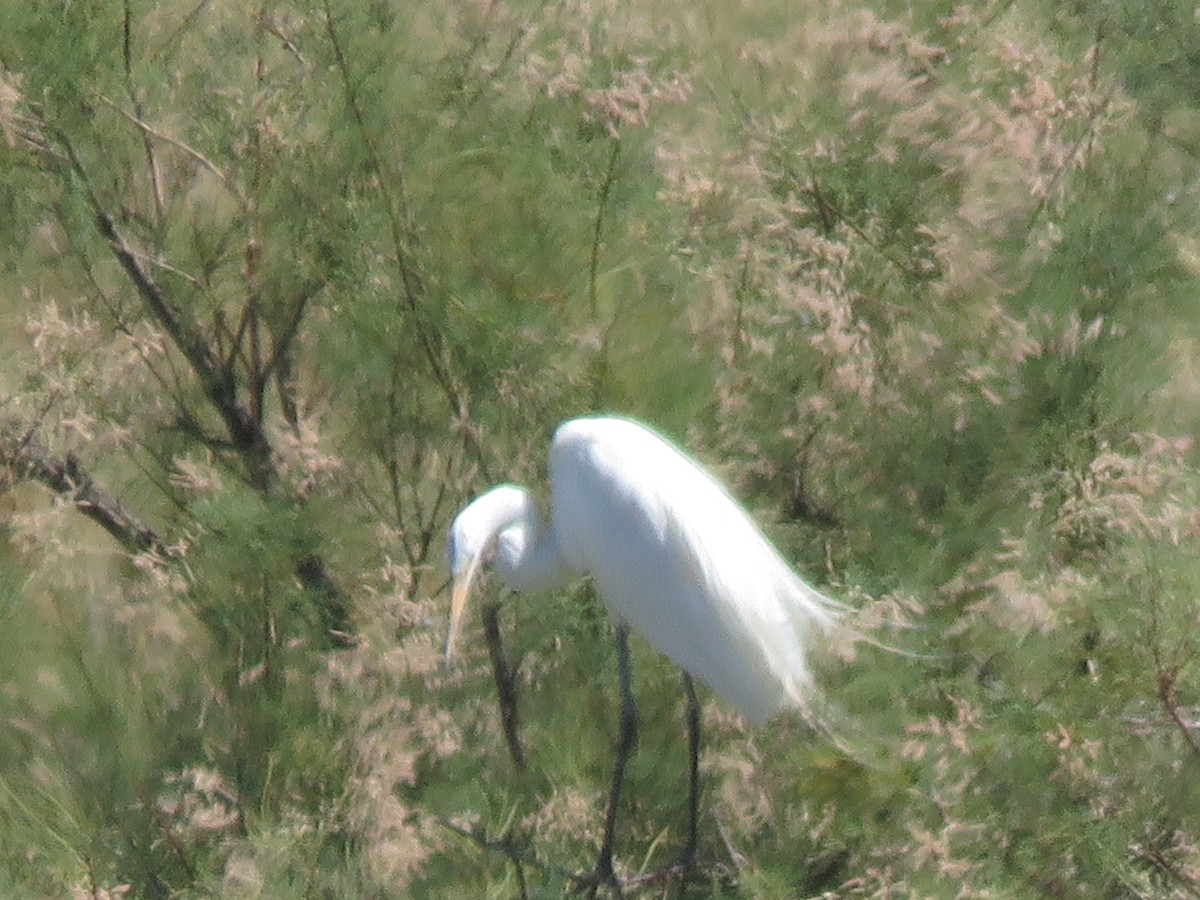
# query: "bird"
(671, 555)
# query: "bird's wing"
(675, 556)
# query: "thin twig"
(610, 177)
(432, 518)
(516, 850)
(1155, 857)
(267, 22)
(1166, 676)
(395, 204)
(131, 89)
(827, 208)
(1167, 679)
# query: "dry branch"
(27, 458)
(217, 380)
(1166, 693)
(514, 847)
(247, 437)
(220, 387)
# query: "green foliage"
(283, 287)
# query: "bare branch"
(1166, 693)
(166, 138)
(281, 343)
(156, 179)
(610, 177)
(514, 848)
(247, 436)
(218, 384)
(395, 205)
(25, 455)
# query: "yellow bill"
(458, 605)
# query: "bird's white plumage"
(670, 553)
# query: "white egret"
(671, 555)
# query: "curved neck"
(527, 555)
(528, 558)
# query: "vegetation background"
(282, 285)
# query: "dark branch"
(219, 386)
(1166, 693)
(281, 343)
(246, 434)
(1159, 860)
(218, 383)
(334, 609)
(27, 458)
(516, 849)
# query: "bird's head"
(475, 536)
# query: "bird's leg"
(506, 690)
(626, 739)
(688, 858)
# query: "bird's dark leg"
(626, 739)
(506, 690)
(688, 858)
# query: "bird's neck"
(528, 558)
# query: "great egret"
(672, 555)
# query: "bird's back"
(672, 554)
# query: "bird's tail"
(844, 731)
